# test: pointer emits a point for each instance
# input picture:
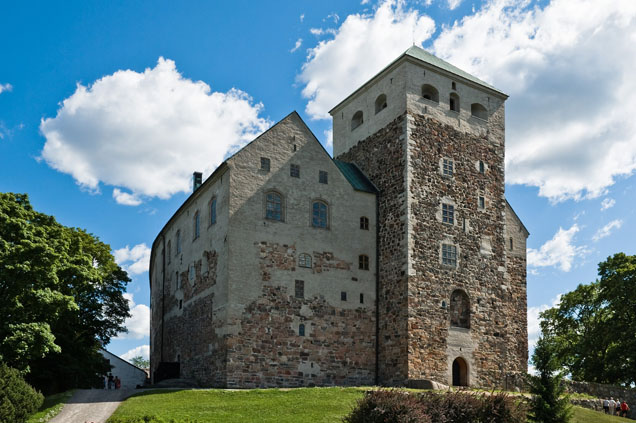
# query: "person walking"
(117, 382)
(612, 406)
(606, 406)
(111, 381)
(618, 407)
(624, 409)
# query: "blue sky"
(106, 109)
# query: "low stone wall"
(601, 392)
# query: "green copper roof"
(356, 178)
(427, 57)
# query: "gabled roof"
(516, 217)
(419, 54)
(423, 55)
(356, 178)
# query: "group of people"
(615, 407)
(112, 382)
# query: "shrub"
(431, 407)
(387, 406)
(18, 400)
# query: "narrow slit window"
(361, 298)
(213, 211)
(301, 329)
(482, 202)
(178, 241)
(197, 225)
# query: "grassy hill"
(262, 405)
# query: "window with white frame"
(449, 255)
(448, 214)
(448, 167)
(304, 260)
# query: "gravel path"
(91, 405)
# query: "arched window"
(304, 260)
(364, 223)
(197, 225)
(356, 120)
(429, 92)
(454, 102)
(460, 309)
(213, 211)
(320, 215)
(363, 262)
(274, 206)
(479, 111)
(380, 103)
(301, 329)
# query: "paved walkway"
(91, 405)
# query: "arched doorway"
(460, 372)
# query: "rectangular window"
(169, 250)
(191, 273)
(361, 298)
(265, 164)
(323, 177)
(178, 242)
(449, 255)
(482, 202)
(447, 167)
(213, 211)
(343, 296)
(300, 289)
(448, 214)
(364, 223)
(197, 225)
(294, 171)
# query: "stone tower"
(451, 252)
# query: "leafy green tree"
(549, 403)
(588, 331)
(140, 362)
(61, 295)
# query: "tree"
(549, 403)
(140, 362)
(587, 329)
(61, 295)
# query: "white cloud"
(559, 251)
(135, 260)
(453, 4)
(607, 229)
(302, 17)
(534, 329)
(5, 87)
(142, 350)
(360, 47)
(334, 17)
(147, 131)
(299, 42)
(607, 203)
(138, 324)
(569, 70)
(125, 198)
(328, 133)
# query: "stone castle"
(397, 262)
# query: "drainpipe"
(163, 288)
(377, 289)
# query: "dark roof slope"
(356, 178)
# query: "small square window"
(448, 214)
(343, 296)
(294, 171)
(304, 260)
(322, 177)
(265, 164)
(482, 202)
(299, 289)
(447, 167)
(449, 255)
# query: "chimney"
(197, 178)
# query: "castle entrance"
(460, 372)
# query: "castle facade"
(397, 262)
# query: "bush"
(386, 406)
(18, 400)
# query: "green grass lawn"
(50, 407)
(263, 405)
